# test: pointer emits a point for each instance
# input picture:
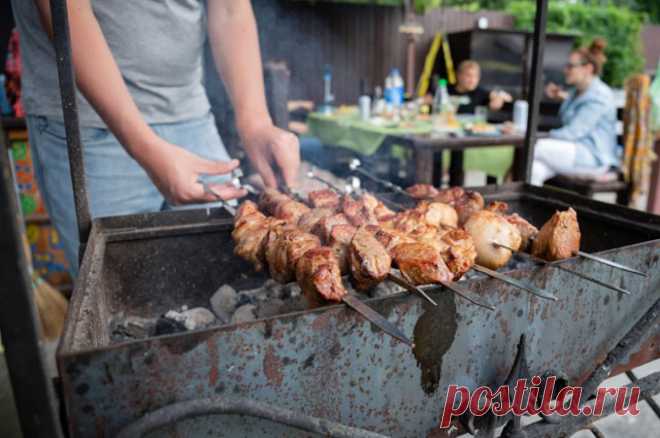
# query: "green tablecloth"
(347, 130)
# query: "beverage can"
(520, 111)
(364, 103)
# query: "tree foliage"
(619, 26)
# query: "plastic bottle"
(397, 88)
(443, 109)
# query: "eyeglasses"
(570, 65)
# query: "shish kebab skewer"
(483, 269)
(316, 267)
(428, 253)
(495, 243)
(355, 166)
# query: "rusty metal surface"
(331, 363)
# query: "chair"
(628, 181)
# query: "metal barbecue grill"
(328, 370)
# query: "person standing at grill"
(146, 126)
(587, 140)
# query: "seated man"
(587, 140)
(467, 84)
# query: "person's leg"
(199, 136)
(116, 184)
(552, 156)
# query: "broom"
(51, 304)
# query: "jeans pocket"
(57, 130)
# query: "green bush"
(619, 26)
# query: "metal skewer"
(563, 268)
(410, 287)
(370, 314)
(376, 318)
(586, 255)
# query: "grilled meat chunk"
(422, 191)
(368, 260)
(250, 239)
(340, 241)
(487, 227)
(325, 198)
(559, 237)
(528, 232)
(437, 214)
(284, 246)
(324, 226)
(357, 212)
(379, 210)
(308, 220)
(464, 201)
(317, 273)
(290, 211)
(421, 263)
(460, 253)
(270, 199)
(390, 238)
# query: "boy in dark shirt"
(467, 84)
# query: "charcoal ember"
(192, 319)
(252, 296)
(269, 308)
(291, 290)
(274, 289)
(167, 326)
(133, 327)
(245, 313)
(223, 303)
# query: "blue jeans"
(116, 184)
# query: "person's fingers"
(216, 167)
(227, 191)
(287, 158)
(262, 166)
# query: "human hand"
(555, 92)
(498, 99)
(265, 145)
(176, 171)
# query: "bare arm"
(173, 170)
(235, 46)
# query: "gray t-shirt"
(158, 46)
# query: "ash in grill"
(244, 301)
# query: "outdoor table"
(346, 130)
(428, 150)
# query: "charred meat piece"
(284, 246)
(464, 201)
(528, 232)
(290, 211)
(422, 191)
(408, 221)
(377, 209)
(340, 241)
(368, 260)
(250, 238)
(421, 263)
(324, 227)
(438, 213)
(498, 207)
(270, 199)
(317, 273)
(460, 253)
(559, 238)
(487, 227)
(390, 238)
(357, 212)
(325, 198)
(308, 220)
